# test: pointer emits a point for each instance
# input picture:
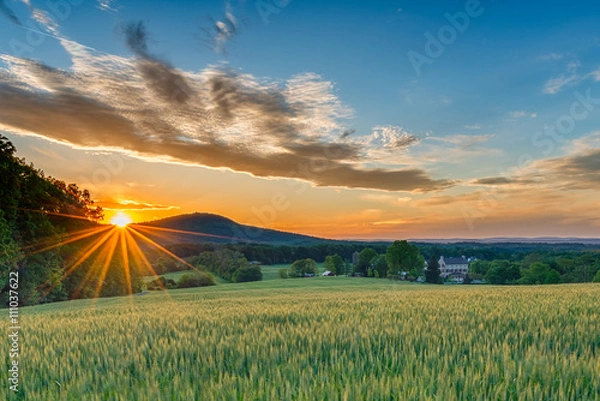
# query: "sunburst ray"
(108, 260)
(174, 231)
(69, 241)
(125, 259)
(138, 254)
(161, 248)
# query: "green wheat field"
(317, 339)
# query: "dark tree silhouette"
(432, 273)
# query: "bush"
(197, 279)
(247, 274)
(161, 283)
(597, 277)
(284, 273)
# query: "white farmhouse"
(457, 268)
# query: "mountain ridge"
(209, 227)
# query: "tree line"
(37, 210)
(502, 263)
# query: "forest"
(37, 212)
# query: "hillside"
(206, 227)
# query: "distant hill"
(206, 227)
(514, 240)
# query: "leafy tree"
(223, 262)
(348, 268)
(284, 273)
(480, 267)
(432, 272)
(402, 256)
(553, 277)
(301, 268)
(163, 264)
(247, 274)
(364, 260)
(503, 272)
(539, 273)
(597, 277)
(584, 268)
(9, 252)
(334, 264)
(32, 210)
(380, 266)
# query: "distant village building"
(328, 274)
(455, 268)
(355, 258)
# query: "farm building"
(456, 268)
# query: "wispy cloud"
(571, 78)
(219, 33)
(515, 115)
(391, 137)
(387, 145)
(578, 169)
(42, 17)
(552, 57)
(555, 85)
(463, 140)
(132, 205)
(494, 181)
(106, 5)
(386, 199)
(455, 149)
(8, 12)
(217, 117)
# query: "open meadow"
(317, 339)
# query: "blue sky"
(470, 125)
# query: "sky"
(350, 120)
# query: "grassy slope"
(340, 338)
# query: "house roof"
(455, 261)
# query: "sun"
(121, 220)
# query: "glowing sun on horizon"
(121, 220)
